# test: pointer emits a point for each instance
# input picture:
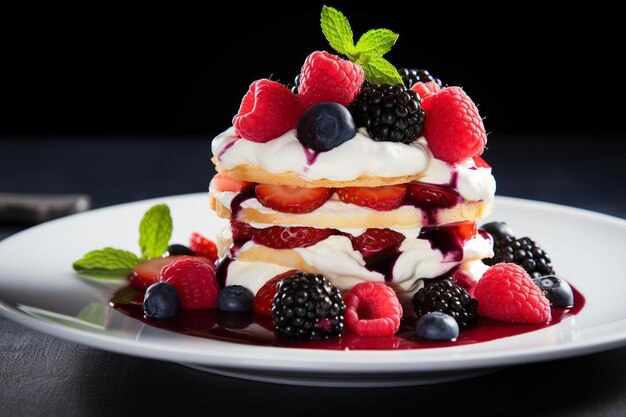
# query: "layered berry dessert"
(352, 201)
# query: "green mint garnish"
(155, 231)
(369, 50)
(106, 263)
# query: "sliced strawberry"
(265, 296)
(202, 246)
(147, 273)
(242, 232)
(383, 198)
(480, 162)
(430, 195)
(288, 199)
(221, 182)
(450, 236)
(279, 237)
(377, 244)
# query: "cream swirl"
(352, 159)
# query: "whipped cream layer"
(352, 159)
(335, 258)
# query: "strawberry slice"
(202, 246)
(450, 235)
(221, 182)
(430, 195)
(480, 162)
(147, 273)
(265, 296)
(242, 232)
(288, 199)
(279, 237)
(387, 197)
(377, 244)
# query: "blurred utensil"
(38, 208)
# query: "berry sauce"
(257, 330)
(311, 157)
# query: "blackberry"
(296, 84)
(308, 307)
(523, 252)
(390, 113)
(412, 76)
(443, 295)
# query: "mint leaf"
(337, 31)
(380, 71)
(155, 231)
(106, 263)
(376, 43)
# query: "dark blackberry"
(390, 113)
(443, 295)
(523, 252)
(412, 76)
(308, 307)
(296, 84)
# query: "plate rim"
(333, 361)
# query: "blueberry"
(437, 326)
(235, 298)
(557, 290)
(498, 229)
(161, 301)
(176, 249)
(325, 126)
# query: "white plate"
(39, 290)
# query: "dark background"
(119, 72)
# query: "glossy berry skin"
(268, 110)
(195, 281)
(326, 77)
(524, 252)
(202, 246)
(498, 229)
(446, 297)
(178, 249)
(264, 298)
(453, 129)
(437, 326)
(373, 309)
(411, 76)
(556, 290)
(235, 298)
(161, 301)
(325, 126)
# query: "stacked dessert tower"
(356, 173)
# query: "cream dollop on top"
(352, 159)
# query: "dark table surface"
(43, 375)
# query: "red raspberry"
(506, 292)
(195, 282)
(268, 110)
(264, 298)
(373, 309)
(325, 77)
(453, 129)
(425, 89)
(202, 246)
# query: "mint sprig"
(106, 263)
(155, 231)
(368, 51)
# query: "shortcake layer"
(336, 259)
(335, 214)
(359, 162)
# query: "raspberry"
(202, 246)
(426, 89)
(453, 128)
(373, 309)
(267, 111)
(506, 292)
(195, 282)
(328, 78)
